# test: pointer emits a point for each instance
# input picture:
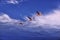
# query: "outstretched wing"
(29, 18)
(38, 13)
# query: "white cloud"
(4, 18)
(52, 19)
(45, 23)
(12, 1)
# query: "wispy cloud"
(41, 24)
(52, 19)
(4, 18)
(12, 1)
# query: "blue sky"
(27, 7)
